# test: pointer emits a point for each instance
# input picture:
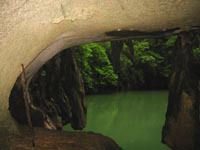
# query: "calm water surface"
(133, 119)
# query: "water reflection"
(133, 119)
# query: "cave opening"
(57, 91)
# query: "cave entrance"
(130, 108)
(57, 92)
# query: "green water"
(133, 119)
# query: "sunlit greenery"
(149, 68)
(96, 68)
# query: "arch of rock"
(32, 32)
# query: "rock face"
(54, 140)
(181, 130)
(56, 91)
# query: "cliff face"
(32, 32)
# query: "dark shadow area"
(56, 95)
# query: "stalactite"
(57, 90)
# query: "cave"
(53, 107)
(32, 32)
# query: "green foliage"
(196, 52)
(151, 58)
(149, 68)
(130, 77)
(106, 45)
(96, 68)
(171, 41)
(145, 55)
(149, 65)
(83, 55)
(141, 46)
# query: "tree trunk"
(181, 130)
(130, 45)
(116, 49)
